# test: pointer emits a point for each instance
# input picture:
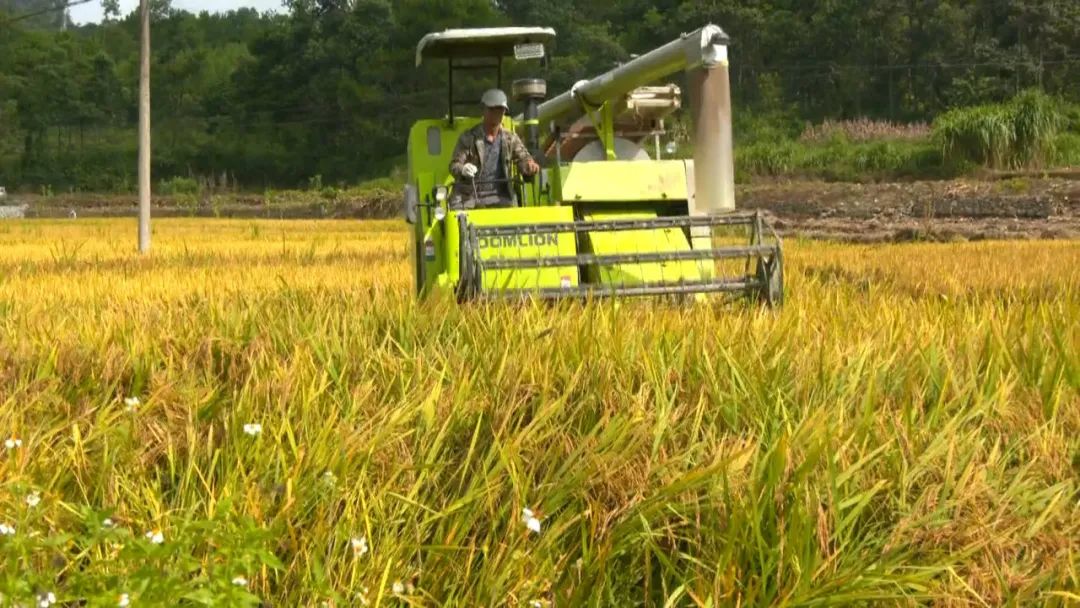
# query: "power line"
(827, 67)
(44, 11)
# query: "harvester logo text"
(518, 240)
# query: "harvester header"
(608, 214)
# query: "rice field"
(259, 413)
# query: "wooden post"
(144, 129)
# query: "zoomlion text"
(518, 240)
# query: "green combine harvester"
(603, 217)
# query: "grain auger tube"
(610, 213)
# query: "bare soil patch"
(940, 210)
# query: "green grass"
(842, 160)
(1067, 149)
(1019, 133)
(903, 432)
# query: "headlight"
(441, 192)
(440, 214)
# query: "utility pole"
(144, 129)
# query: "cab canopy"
(480, 42)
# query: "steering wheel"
(472, 183)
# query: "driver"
(482, 159)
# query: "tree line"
(328, 88)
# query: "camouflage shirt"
(472, 148)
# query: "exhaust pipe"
(531, 91)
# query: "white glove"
(469, 170)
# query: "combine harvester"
(602, 218)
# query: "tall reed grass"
(1019, 133)
(269, 402)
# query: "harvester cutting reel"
(605, 258)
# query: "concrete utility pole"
(144, 130)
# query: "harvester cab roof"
(473, 49)
(483, 42)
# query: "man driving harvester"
(481, 161)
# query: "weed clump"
(1018, 134)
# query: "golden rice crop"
(261, 412)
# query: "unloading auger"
(603, 217)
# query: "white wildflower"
(329, 479)
(240, 581)
(12, 443)
(107, 523)
(155, 536)
(531, 521)
(362, 596)
(131, 403)
(359, 546)
(45, 600)
(536, 604)
(398, 588)
(6, 530)
(253, 428)
(124, 600)
(33, 499)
